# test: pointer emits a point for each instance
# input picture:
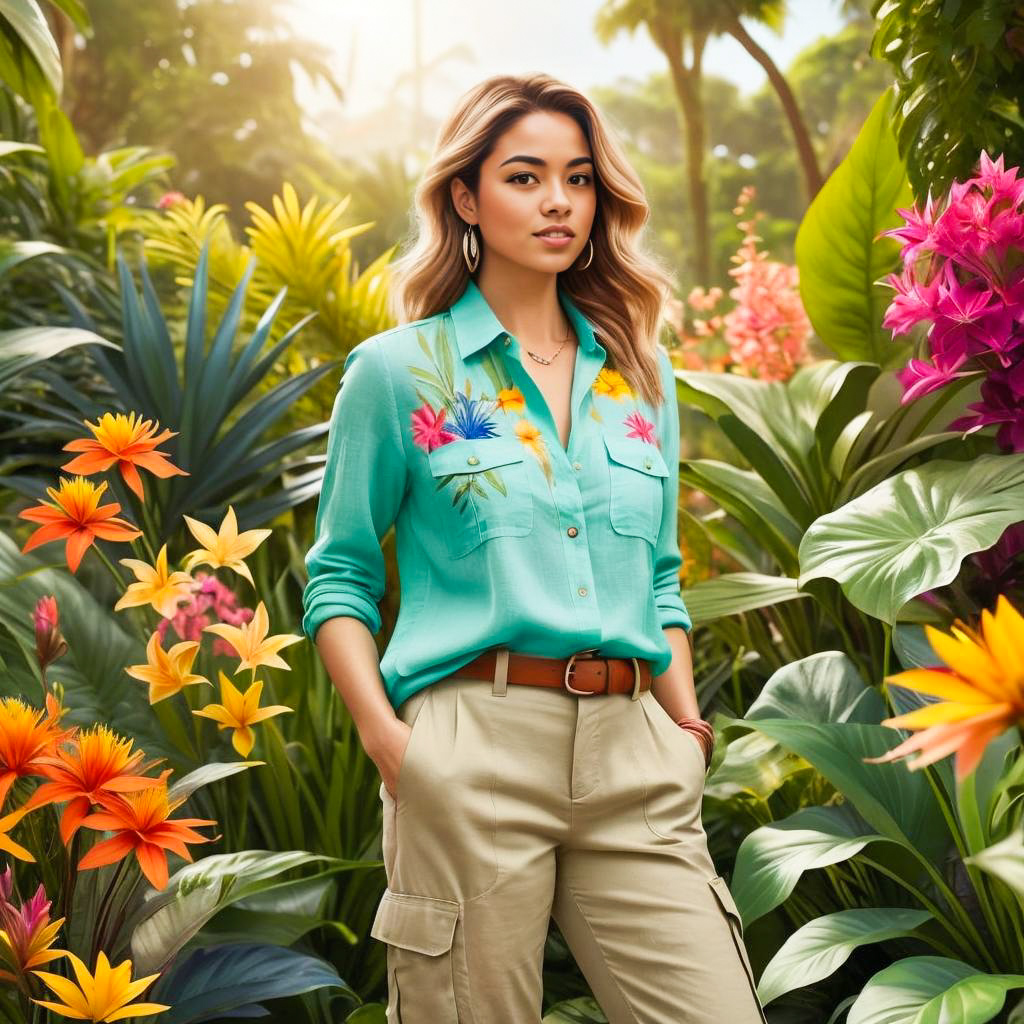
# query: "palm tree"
(675, 24)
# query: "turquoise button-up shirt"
(502, 536)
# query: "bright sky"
(373, 44)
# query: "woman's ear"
(462, 199)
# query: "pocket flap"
(420, 923)
(475, 455)
(637, 454)
(721, 890)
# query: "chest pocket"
(636, 472)
(482, 491)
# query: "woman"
(520, 430)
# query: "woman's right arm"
(365, 478)
(349, 654)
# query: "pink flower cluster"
(768, 328)
(963, 275)
(765, 334)
(209, 595)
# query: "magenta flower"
(428, 430)
(963, 277)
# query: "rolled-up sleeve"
(667, 558)
(364, 481)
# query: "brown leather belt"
(583, 673)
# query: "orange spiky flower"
(128, 442)
(77, 516)
(143, 826)
(99, 762)
(981, 691)
(26, 738)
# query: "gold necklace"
(540, 359)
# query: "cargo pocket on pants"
(732, 915)
(419, 932)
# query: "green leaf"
(170, 917)
(204, 775)
(823, 687)
(772, 858)
(737, 592)
(910, 533)
(25, 347)
(32, 31)
(210, 983)
(819, 948)
(1004, 860)
(896, 803)
(838, 252)
(932, 990)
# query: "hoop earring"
(470, 249)
(590, 257)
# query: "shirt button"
(508, 340)
(582, 591)
(577, 465)
(472, 460)
(572, 531)
(647, 464)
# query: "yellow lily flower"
(251, 642)
(240, 711)
(982, 691)
(106, 997)
(8, 845)
(167, 672)
(157, 587)
(225, 548)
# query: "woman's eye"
(528, 174)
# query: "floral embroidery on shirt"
(640, 426)
(611, 384)
(459, 416)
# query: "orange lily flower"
(227, 547)
(167, 672)
(27, 933)
(251, 642)
(982, 692)
(24, 741)
(106, 997)
(77, 515)
(240, 711)
(143, 825)
(156, 586)
(99, 762)
(126, 441)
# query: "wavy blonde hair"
(624, 289)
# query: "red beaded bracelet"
(704, 732)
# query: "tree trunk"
(687, 82)
(805, 149)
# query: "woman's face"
(540, 174)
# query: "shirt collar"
(476, 325)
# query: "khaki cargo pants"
(516, 804)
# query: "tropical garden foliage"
(189, 827)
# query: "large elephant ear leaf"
(931, 990)
(910, 533)
(823, 687)
(838, 252)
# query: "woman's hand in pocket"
(389, 753)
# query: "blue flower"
(471, 418)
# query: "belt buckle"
(568, 669)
